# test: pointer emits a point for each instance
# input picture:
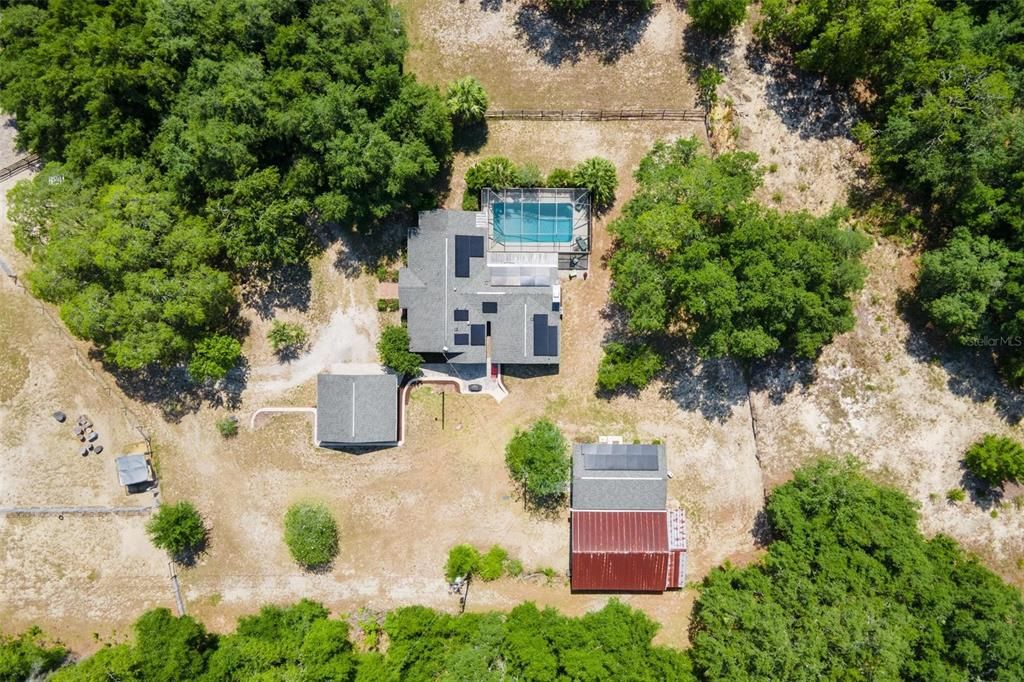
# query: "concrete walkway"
(464, 375)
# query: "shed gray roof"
(618, 477)
(431, 293)
(133, 469)
(356, 409)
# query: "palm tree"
(467, 101)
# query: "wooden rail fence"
(26, 163)
(595, 114)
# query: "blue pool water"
(532, 222)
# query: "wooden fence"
(26, 163)
(595, 114)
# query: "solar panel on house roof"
(545, 337)
(476, 334)
(466, 247)
(489, 306)
(621, 462)
(461, 315)
(462, 339)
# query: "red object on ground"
(494, 371)
(641, 551)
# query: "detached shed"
(134, 472)
(356, 410)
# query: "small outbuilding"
(134, 472)
(624, 539)
(356, 410)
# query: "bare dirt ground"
(881, 392)
(614, 58)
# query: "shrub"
(539, 464)
(492, 564)
(463, 561)
(717, 16)
(559, 177)
(387, 305)
(393, 348)
(627, 365)
(214, 357)
(496, 172)
(29, 656)
(529, 176)
(598, 176)
(707, 87)
(177, 528)
(514, 567)
(228, 427)
(471, 200)
(286, 336)
(996, 459)
(467, 101)
(955, 495)
(311, 534)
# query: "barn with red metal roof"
(623, 537)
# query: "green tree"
(28, 656)
(467, 100)
(598, 176)
(707, 88)
(311, 534)
(463, 561)
(717, 16)
(627, 365)
(560, 177)
(214, 357)
(496, 172)
(539, 464)
(848, 565)
(695, 252)
(393, 348)
(996, 460)
(284, 336)
(177, 528)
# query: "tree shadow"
(982, 494)
(972, 372)
(807, 103)
(607, 30)
(490, 5)
(713, 387)
(363, 252)
(288, 287)
(470, 138)
(172, 391)
(779, 375)
(702, 50)
(761, 531)
(191, 556)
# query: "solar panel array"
(466, 247)
(545, 337)
(611, 457)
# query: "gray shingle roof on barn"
(446, 285)
(356, 409)
(618, 477)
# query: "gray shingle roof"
(430, 292)
(618, 477)
(133, 469)
(356, 409)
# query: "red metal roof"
(624, 550)
(619, 531)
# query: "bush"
(311, 534)
(514, 567)
(286, 336)
(214, 357)
(492, 564)
(387, 305)
(627, 365)
(707, 87)
(177, 528)
(956, 495)
(538, 462)
(996, 460)
(228, 427)
(598, 176)
(463, 561)
(471, 200)
(467, 101)
(717, 16)
(529, 175)
(393, 348)
(559, 177)
(496, 172)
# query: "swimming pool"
(532, 222)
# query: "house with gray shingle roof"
(474, 303)
(619, 476)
